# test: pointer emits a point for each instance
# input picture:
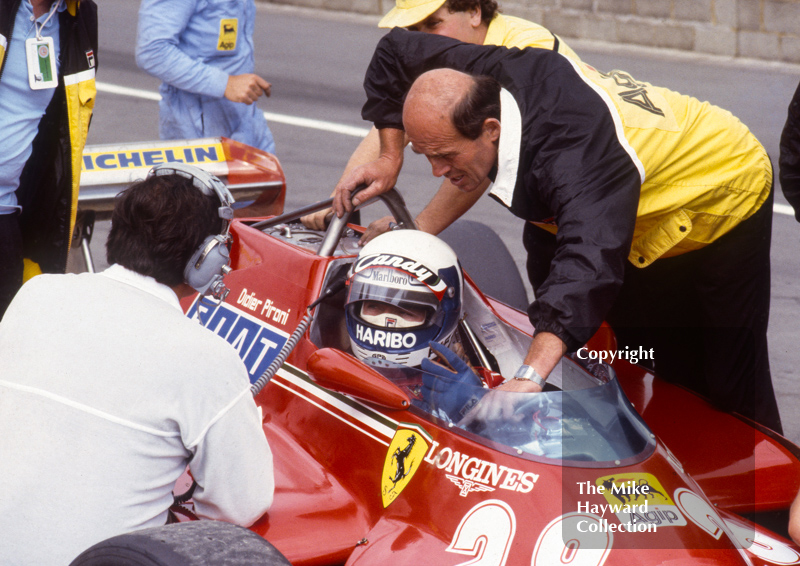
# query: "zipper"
(70, 174)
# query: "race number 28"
(487, 530)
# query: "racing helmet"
(404, 290)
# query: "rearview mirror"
(339, 371)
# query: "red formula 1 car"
(610, 465)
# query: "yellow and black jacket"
(509, 31)
(48, 190)
(626, 171)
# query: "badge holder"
(41, 63)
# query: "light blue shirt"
(21, 108)
(188, 45)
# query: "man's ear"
(491, 129)
(475, 16)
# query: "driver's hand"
(376, 228)
(318, 220)
(379, 176)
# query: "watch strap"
(528, 373)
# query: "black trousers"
(10, 259)
(705, 314)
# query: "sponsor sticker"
(473, 475)
(256, 342)
(404, 457)
(141, 158)
(228, 31)
(639, 500)
(410, 266)
(386, 339)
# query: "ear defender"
(207, 267)
(210, 262)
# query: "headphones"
(210, 262)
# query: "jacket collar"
(496, 31)
(508, 149)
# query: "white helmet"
(405, 290)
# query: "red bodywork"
(336, 427)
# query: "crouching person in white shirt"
(107, 391)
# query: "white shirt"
(106, 392)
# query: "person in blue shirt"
(203, 53)
(44, 119)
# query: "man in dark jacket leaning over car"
(644, 207)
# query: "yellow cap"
(409, 12)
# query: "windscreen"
(590, 426)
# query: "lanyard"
(38, 27)
(41, 56)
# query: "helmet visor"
(378, 313)
(390, 297)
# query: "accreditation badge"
(41, 63)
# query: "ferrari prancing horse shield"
(406, 451)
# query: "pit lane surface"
(315, 62)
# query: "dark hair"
(482, 101)
(488, 8)
(157, 225)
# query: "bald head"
(453, 119)
(433, 97)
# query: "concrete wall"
(762, 29)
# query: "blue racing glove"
(446, 391)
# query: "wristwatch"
(527, 373)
